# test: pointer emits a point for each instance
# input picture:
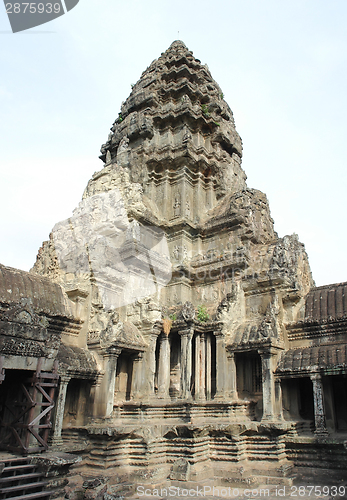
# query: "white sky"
(281, 64)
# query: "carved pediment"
(23, 313)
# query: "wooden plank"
(20, 477)
(32, 496)
(28, 486)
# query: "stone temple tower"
(183, 288)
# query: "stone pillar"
(183, 364)
(137, 379)
(186, 362)
(319, 409)
(278, 399)
(56, 439)
(221, 366)
(149, 365)
(164, 367)
(208, 367)
(202, 373)
(197, 366)
(189, 364)
(231, 374)
(105, 398)
(268, 381)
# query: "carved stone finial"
(188, 312)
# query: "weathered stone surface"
(180, 471)
(199, 325)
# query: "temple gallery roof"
(322, 358)
(326, 302)
(76, 361)
(44, 295)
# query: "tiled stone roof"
(326, 302)
(322, 358)
(76, 361)
(45, 295)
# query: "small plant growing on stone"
(221, 95)
(132, 85)
(120, 118)
(173, 317)
(203, 315)
(204, 109)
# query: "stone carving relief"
(188, 209)
(23, 313)
(187, 312)
(108, 336)
(187, 136)
(123, 145)
(14, 347)
(176, 252)
(269, 327)
(177, 205)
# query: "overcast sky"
(282, 66)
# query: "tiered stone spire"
(175, 124)
(183, 286)
(174, 159)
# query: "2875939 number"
(33, 8)
(318, 491)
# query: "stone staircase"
(302, 427)
(21, 480)
(324, 453)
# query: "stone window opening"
(249, 375)
(175, 365)
(123, 377)
(203, 383)
(256, 375)
(338, 392)
(77, 402)
(306, 410)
